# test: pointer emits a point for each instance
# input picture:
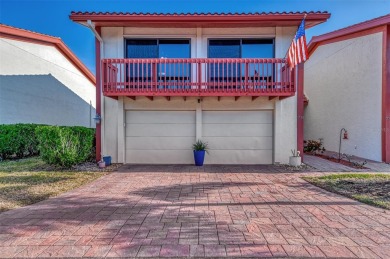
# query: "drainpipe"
(99, 96)
(97, 35)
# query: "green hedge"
(65, 146)
(18, 140)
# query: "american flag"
(297, 53)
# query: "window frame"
(158, 44)
(242, 39)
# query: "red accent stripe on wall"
(300, 107)
(386, 96)
(98, 98)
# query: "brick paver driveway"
(169, 214)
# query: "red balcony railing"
(197, 77)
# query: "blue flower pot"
(107, 159)
(199, 157)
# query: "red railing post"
(154, 75)
(199, 75)
(246, 76)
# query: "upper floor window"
(159, 72)
(241, 48)
(236, 72)
(157, 48)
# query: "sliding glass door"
(161, 72)
(234, 72)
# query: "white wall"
(40, 85)
(284, 111)
(343, 82)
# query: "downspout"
(97, 35)
(99, 111)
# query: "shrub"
(65, 146)
(18, 140)
(312, 146)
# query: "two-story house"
(166, 80)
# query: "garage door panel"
(237, 117)
(239, 143)
(237, 130)
(239, 157)
(159, 143)
(155, 117)
(160, 130)
(159, 156)
(160, 137)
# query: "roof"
(356, 30)
(114, 19)
(38, 38)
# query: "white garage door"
(160, 137)
(238, 137)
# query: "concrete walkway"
(169, 214)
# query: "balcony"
(197, 77)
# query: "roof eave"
(20, 34)
(108, 20)
(353, 29)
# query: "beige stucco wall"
(343, 82)
(284, 111)
(38, 84)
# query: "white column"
(198, 42)
(285, 113)
(199, 120)
(121, 130)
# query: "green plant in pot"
(200, 148)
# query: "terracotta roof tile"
(193, 14)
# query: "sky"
(52, 16)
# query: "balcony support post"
(300, 107)
(99, 91)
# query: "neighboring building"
(42, 81)
(169, 79)
(347, 82)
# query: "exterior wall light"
(97, 118)
(345, 135)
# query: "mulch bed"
(376, 188)
(342, 161)
(83, 167)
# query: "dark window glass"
(241, 48)
(224, 49)
(174, 49)
(156, 48)
(257, 49)
(142, 49)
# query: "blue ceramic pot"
(199, 157)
